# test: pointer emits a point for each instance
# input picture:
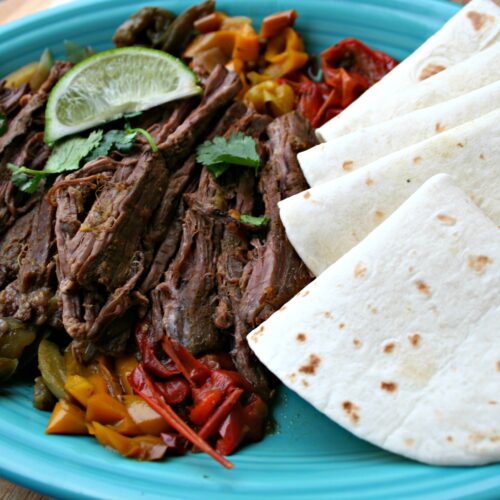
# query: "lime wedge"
(107, 85)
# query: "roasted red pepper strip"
(174, 390)
(147, 343)
(144, 386)
(355, 57)
(215, 421)
(195, 372)
(205, 404)
(232, 431)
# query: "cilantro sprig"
(217, 155)
(69, 154)
(255, 221)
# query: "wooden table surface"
(9, 11)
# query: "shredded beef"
(276, 272)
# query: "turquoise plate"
(308, 456)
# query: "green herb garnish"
(3, 124)
(219, 154)
(146, 134)
(66, 156)
(255, 221)
(75, 53)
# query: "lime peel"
(110, 84)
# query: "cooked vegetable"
(255, 221)
(42, 71)
(15, 336)
(146, 27)
(7, 368)
(67, 418)
(43, 399)
(275, 23)
(79, 388)
(179, 32)
(52, 368)
(75, 53)
(272, 97)
(141, 447)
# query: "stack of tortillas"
(397, 339)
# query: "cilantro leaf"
(218, 169)
(66, 157)
(75, 53)
(121, 140)
(3, 124)
(67, 154)
(255, 221)
(146, 134)
(239, 149)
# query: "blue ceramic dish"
(309, 456)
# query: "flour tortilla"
(471, 30)
(326, 221)
(349, 152)
(398, 340)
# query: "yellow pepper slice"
(271, 96)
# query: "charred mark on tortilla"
(359, 270)
(327, 314)
(389, 347)
(414, 339)
(460, 145)
(352, 410)
(388, 386)
(305, 293)
(307, 195)
(478, 19)
(409, 442)
(379, 214)
(449, 439)
(431, 70)
(417, 159)
(301, 337)
(423, 288)
(498, 366)
(311, 366)
(482, 157)
(305, 383)
(369, 181)
(446, 219)
(357, 342)
(347, 165)
(439, 127)
(479, 262)
(341, 326)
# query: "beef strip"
(166, 225)
(221, 87)
(22, 144)
(13, 247)
(10, 98)
(276, 272)
(28, 297)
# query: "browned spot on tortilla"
(301, 337)
(352, 410)
(409, 442)
(492, 402)
(341, 326)
(305, 383)
(327, 314)
(439, 127)
(388, 348)
(388, 386)
(482, 157)
(347, 166)
(357, 342)
(411, 269)
(373, 309)
(417, 159)
(446, 219)
(291, 376)
(305, 293)
(359, 270)
(477, 19)
(307, 195)
(414, 339)
(379, 214)
(495, 439)
(369, 181)
(423, 288)
(460, 145)
(431, 70)
(498, 366)
(479, 262)
(449, 439)
(258, 333)
(282, 308)
(310, 368)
